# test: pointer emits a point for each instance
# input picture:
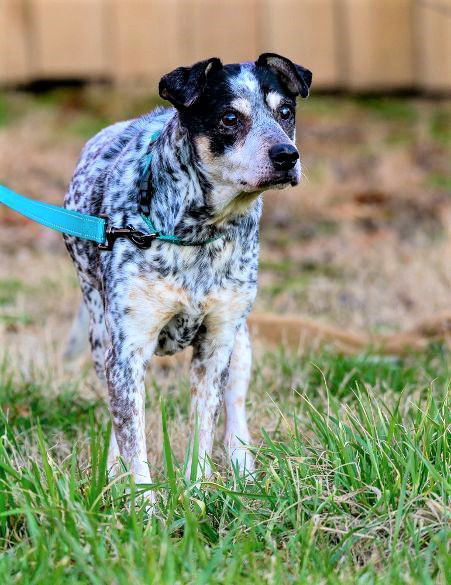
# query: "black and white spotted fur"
(210, 163)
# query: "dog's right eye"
(229, 119)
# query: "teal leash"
(73, 223)
(62, 220)
(90, 227)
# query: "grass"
(389, 108)
(288, 275)
(9, 289)
(440, 125)
(352, 483)
(80, 111)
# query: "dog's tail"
(77, 341)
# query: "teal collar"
(174, 239)
(145, 190)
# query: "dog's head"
(241, 119)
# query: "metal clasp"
(140, 239)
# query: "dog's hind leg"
(98, 339)
(236, 432)
(78, 335)
(97, 331)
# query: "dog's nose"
(283, 156)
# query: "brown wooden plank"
(306, 32)
(378, 38)
(144, 38)
(433, 47)
(69, 38)
(227, 29)
(14, 65)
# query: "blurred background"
(363, 243)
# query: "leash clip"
(140, 239)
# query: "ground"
(353, 452)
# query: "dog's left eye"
(285, 112)
(229, 119)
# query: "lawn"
(352, 483)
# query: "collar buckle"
(140, 239)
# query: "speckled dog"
(229, 137)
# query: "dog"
(229, 136)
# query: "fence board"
(305, 31)
(69, 38)
(225, 28)
(433, 23)
(377, 35)
(13, 48)
(144, 38)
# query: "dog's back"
(98, 157)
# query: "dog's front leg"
(237, 434)
(134, 320)
(125, 370)
(209, 374)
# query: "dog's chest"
(173, 294)
(182, 314)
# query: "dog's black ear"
(184, 86)
(297, 79)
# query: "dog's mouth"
(278, 179)
(275, 180)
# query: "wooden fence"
(350, 44)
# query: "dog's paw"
(202, 472)
(240, 457)
(147, 498)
